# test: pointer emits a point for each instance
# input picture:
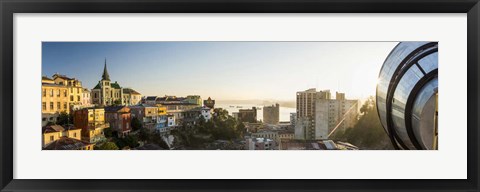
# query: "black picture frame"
(9, 7)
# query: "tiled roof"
(130, 91)
(53, 128)
(48, 130)
(63, 77)
(141, 105)
(115, 85)
(170, 98)
(178, 103)
(97, 86)
(151, 98)
(113, 108)
(57, 128)
(66, 143)
(46, 78)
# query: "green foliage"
(151, 137)
(108, 146)
(157, 139)
(129, 140)
(368, 133)
(144, 135)
(117, 102)
(136, 124)
(220, 127)
(110, 133)
(64, 119)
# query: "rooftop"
(293, 144)
(141, 105)
(66, 143)
(151, 98)
(170, 98)
(46, 78)
(52, 128)
(62, 77)
(130, 91)
(114, 108)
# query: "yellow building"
(75, 89)
(55, 132)
(92, 122)
(54, 100)
(162, 110)
(131, 97)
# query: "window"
(65, 93)
(58, 105)
(71, 97)
(44, 92)
(44, 106)
(51, 105)
(51, 93)
(71, 90)
(74, 134)
(51, 138)
(78, 97)
(65, 106)
(95, 94)
(58, 93)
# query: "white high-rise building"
(318, 114)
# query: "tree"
(221, 126)
(240, 129)
(110, 133)
(117, 102)
(144, 135)
(129, 140)
(136, 124)
(108, 146)
(64, 119)
(157, 139)
(368, 133)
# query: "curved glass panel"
(429, 63)
(394, 70)
(390, 65)
(422, 114)
(404, 88)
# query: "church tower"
(106, 87)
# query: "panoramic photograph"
(235, 95)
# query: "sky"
(223, 70)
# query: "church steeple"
(105, 75)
